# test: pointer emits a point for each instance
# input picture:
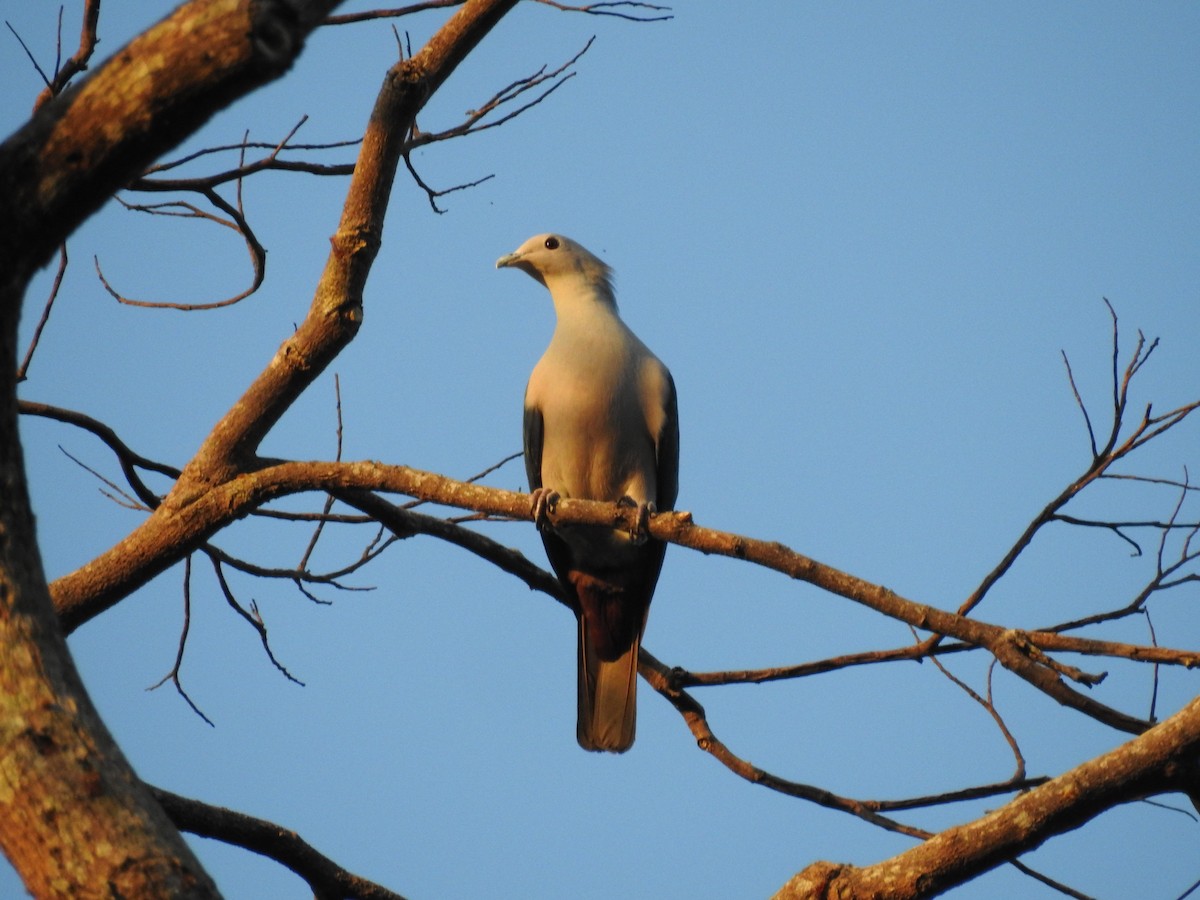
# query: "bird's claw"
(543, 502)
(639, 531)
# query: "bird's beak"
(510, 259)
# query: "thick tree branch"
(73, 815)
(337, 307)
(84, 145)
(169, 533)
(1161, 760)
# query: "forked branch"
(1103, 458)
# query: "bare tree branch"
(129, 460)
(173, 675)
(615, 8)
(316, 535)
(1161, 760)
(253, 617)
(23, 369)
(166, 535)
(372, 15)
(1102, 459)
(236, 221)
(269, 162)
(78, 61)
(326, 879)
(659, 678)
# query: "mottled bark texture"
(74, 818)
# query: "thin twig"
(236, 221)
(129, 460)
(41, 324)
(45, 78)
(611, 9)
(327, 579)
(173, 675)
(658, 677)
(433, 193)
(316, 535)
(990, 707)
(78, 62)
(1153, 716)
(254, 617)
(115, 493)
(474, 121)
(371, 15)
(1048, 881)
(1082, 406)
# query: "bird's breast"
(596, 444)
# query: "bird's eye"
(551, 243)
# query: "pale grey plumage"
(600, 424)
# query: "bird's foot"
(639, 532)
(544, 501)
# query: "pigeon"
(601, 423)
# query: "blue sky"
(860, 235)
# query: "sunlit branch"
(910, 653)
(304, 576)
(269, 162)
(614, 8)
(1146, 479)
(1018, 651)
(115, 492)
(1166, 576)
(474, 121)
(1063, 889)
(1158, 761)
(403, 522)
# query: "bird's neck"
(584, 303)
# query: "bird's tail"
(607, 696)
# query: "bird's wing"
(533, 446)
(666, 449)
(557, 550)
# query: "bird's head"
(552, 258)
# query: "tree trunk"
(74, 818)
